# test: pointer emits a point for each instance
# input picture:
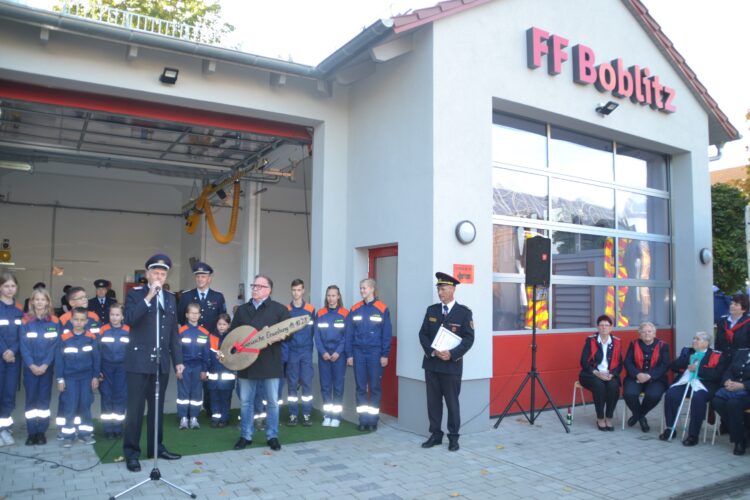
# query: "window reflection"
(520, 142)
(645, 260)
(576, 154)
(578, 203)
(642, 303)
(512, 307)
(575, 254)
(519, 194)
(577, 306)
(642, 213)
(509, 243)
(639, 168)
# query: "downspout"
(719, 150)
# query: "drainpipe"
(719, 148)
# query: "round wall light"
(705, 256)
(465, 232)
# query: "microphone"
(157, 289)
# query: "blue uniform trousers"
(652, 393)
(697, 402)
(77, 398)
(38, 393)
(221, 401)
(114, 397)
(190, 391)
(368, 372)
(332, 376)
(299, 373)
(8, 381)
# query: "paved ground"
(515, 461)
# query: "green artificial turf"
(211, 440)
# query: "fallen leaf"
(267, 453)
(198, 462)
(499, 447)
(119, 459)
(484, 472)
(455, 494)
(567, 489)
(196, 471)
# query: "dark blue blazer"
(141, 317)
(101, 310)
(459, 321)
(210, 308)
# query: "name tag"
(431, 319)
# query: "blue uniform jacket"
(219, 376)
(78, 356)
(10, 326)
(330, 331)
(368, 326)
(102, 311)
(210, 308)
(459, 321)
(39, 338)
(301, 340)
(113, 343)
(141, 318)
(92, 325)
(195, 346)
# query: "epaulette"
(289, 307)
(342, 311)
(186, 291)
(94, 316)
(105, 328)
(309, 307)
(322, 312)
(91, 335)
(214, 340)
(54, 319)
(357, 306)
(66, 336)
(380, 306)
(126, 328)
(183, 328)
(137, 288)
(19, 306)
(203, 330)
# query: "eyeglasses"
(254, 286)
(79, 298)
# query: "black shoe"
(601, 427)
(242, 443)
(610, 428)
(453, 445)
(41, 438)
(168, 455)
(274, 444)
(31, 440)
(133, 465)
(362, 427)
(373, 428)
(739, 448)
(432, 441)
(221, 425)
(632, 421)
(214, 424)
(644, 424)
(664, 436)
(690, 441)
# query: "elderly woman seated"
(703, 368)
(647, 363)
(601, 364)
(733, 398)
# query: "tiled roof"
(419, 17)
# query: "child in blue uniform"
(113, 341)
(38, 344)
(330, 341)
(195, 354)
(220, 379)
(10, 362)
(78, 366)
(299, 350)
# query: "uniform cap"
(159, 260)
(102, 284)
(202, 268)
(445, 279)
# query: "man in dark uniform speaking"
(443, 364)
(141, 308)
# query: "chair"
(577, 386)
(686, 411)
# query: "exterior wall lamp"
(465, 232)
(169, 75)
(605, 109)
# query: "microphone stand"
(155, 474)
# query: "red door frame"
(389, 383)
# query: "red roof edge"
(678, 62)
(419, 17)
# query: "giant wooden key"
(241, 346)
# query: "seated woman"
(733, 398)
(733, 330)
(701, 379)
(647, 363)
(601, 364)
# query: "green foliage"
(204, 14)
(730, 256)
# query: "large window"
(605, 208)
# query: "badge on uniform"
(432, 320)
(454, 327)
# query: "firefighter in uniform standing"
(212, 302)
(368, 344)
(443, 368)
(100, 304)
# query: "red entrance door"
(383, 268)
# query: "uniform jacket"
(141, 318)
(78, 356)
(210, 308)
(592, 355)
(459, 321)
(710, 370)
(113, 342)
(270, 312)
(368, 326)
(38, 342)
(10, 326)
(739, 368)
(92, 325)
(653, 359)
(729, 338)
(301, 340)
(195, 346)
(219, 376)
(330, 331)
(102, 311)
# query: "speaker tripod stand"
(534, 377)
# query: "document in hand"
(445, 340)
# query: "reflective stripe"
(107, 416)
(18, 322)
(108, 340)
(363, 409)
(125, 340)
(43, 413)
(373, 411)
(216, 415)
(305, 399)
(4, 322)
(323, 325)
(357, 318)
(292, 399)
(70, 350)
(201, 340)
(265, 402)
(118, 417)
(228, 376)
(310, 322)
(31, 335)
(213, 376)
(94, 330)
(68, 430)
(77, 421)
(337, 408)
(6, 422)
(339, 325)
(280, 402)
(259, 415)
(186, 340)
(87, 348)
(183, 401)
(196, 403)
(50, 335)
(376, 319)
(60, 421)
(86, 428)
(327, 407)
(30, 414)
